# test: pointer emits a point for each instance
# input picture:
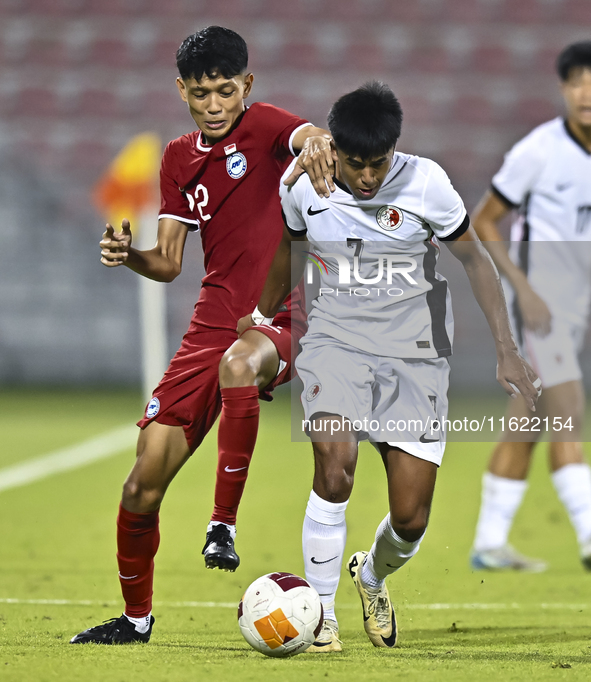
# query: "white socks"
(388, 553)
(573, 485)
(323, 541)
(142, 625)
(501, 498)
(232, 529)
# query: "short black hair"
(366, 122)
(213, 51)
(577, 54)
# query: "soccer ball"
(280, 614)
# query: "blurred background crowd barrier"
(79, 78)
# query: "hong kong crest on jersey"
(389, 218)
(313, 392)
(236, 165)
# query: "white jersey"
(379, 290)
(547, 176)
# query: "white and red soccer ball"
(280, 614)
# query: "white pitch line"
(73, 457)
(110, 602)
(232, 605)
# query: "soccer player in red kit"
(222, 180)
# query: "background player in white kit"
(383, 356)
(547, 177)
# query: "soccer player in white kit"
(547, 178)
(375, 362)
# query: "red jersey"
(230, 192)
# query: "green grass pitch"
(57, 542)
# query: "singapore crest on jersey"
(389, 218)
(236, 165)
(153, 408)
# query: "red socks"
(138, 538)
(237, 436)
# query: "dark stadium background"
(79, 78)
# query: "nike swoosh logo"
(391, 640)
(230, 471)
(428, 440)
(313, 560)
(312, 212)
(127, 577)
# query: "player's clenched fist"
(115, 245)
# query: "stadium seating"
(78, 78)
(77, 58)
(577, 12)
(535, 110)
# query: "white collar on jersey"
(200, 145)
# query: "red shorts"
(189, 393)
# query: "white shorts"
(387, 400)
(555, 357)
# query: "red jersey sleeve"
(280, 128)
(174, 202)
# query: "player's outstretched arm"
(279, 280)
(313, 146)
(513, 372)
(162, 263)
(486, 218)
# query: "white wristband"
(259, 318)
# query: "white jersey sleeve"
(292, 201)
(521, 169)
(443, 208)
